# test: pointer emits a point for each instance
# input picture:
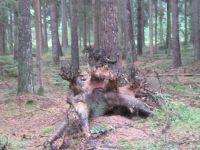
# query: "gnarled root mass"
(97, 93)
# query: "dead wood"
(98, 92)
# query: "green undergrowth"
(102, 128)
(177, 115)
(159, 144)
(8, 144)
(47, 130)
(31, 104)
(143, 145)
(177, 87)
(58, 81)
(8, 67)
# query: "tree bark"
(186, 22)
(11, 31)
(2, 36)
(176, 45)
(156, 25)
(85, 24)
(109, 28)
(45, 28)
(25, 78)
(131, 54)
(16, 32)
(140, 28)
(151, 28)
(38, 45)
(168, 38)
(161, 21)
(96, 22)
(41, 25)
(196, 28)
(74, 38)
(56, 47)
(64, 25)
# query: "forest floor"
(27, 121)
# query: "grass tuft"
(47, 130)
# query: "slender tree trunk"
(56, 47)
(89, 37)
(156, 25)
(192, 22)
(130, 57)
(176, 45)
(140, 28)
(186, 23)
(11, 32)
(84, 25)
(64, 25)
(74, 38)
(46, 47)
(2, 36)
(196, 28)
(41, 25)
(126, 53)
(16, 32)
(151, 28)
(168, 38)
(25, 78)
(38, 45)
(96, 23)
(143, 21)
(161, 22)
(80, 37)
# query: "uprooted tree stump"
(99, 92)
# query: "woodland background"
(36, 37)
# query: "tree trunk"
(16, 32)
(131, 54)
(56, 47)
(11, 32)
(109, 28)
(151, 28)
(196, 28)
(74, 38)
(156, 25)
(143, 21)
(89, 37)
(46, 47)
(96, 23)
(41, 25)
(38, 45)
(2, 36)
(161, 21)
(25, 78)
(176, 45)
(186, 22)
(64, 25)
(168, 40)
(84, 25)
(140, 28)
